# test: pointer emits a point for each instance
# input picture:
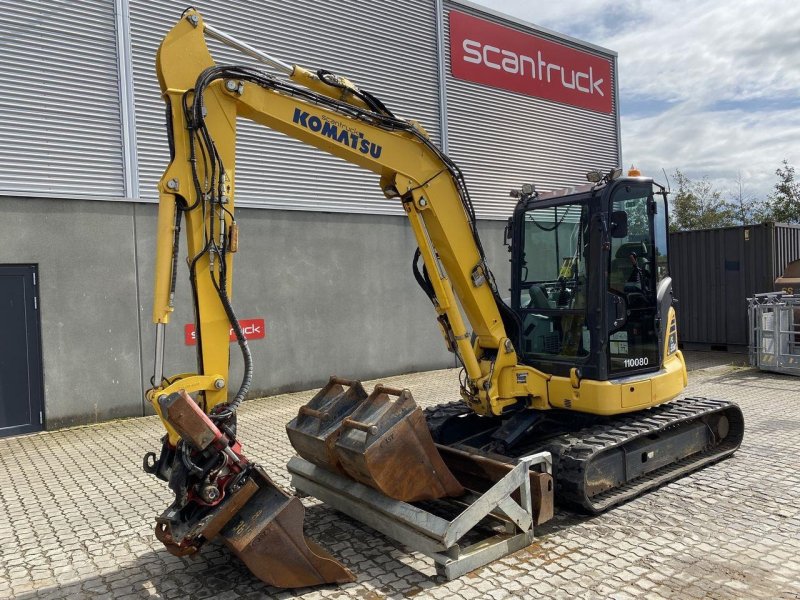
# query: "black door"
(20, 351)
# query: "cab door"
(633, 339)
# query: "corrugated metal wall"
(387, 47)
(60, 132)
(714, 271)
(787, 247)
(502, 139)
(64, 124)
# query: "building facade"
(325, 259)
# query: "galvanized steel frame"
(774, 323)
(425, 532)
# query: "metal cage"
(774, 321)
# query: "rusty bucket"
(267, 536)
(258, 521)
(385, 443)
(313, 433)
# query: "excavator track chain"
(618, 458)
(578, 455)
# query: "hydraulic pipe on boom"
(196, 193)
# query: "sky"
(706, 86)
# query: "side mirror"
(508, 232)
(619, 224)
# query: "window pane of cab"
(553, 291)
(661, 232)
(633, 342)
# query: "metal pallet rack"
(774, 320)
(444, 540)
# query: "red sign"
(488, 53)
(253, 329)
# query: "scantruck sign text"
(491, 54)
(253, 329)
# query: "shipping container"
(714, 271)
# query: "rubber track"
(573, 452)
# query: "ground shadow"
(217, 573)
(753, 378)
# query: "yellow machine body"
(409, 172)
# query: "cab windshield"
(552, 296)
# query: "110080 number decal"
(636, 362)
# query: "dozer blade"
(267, 535)
(386, 444)
(315, 430)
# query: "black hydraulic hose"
(176, 241)
(247, 378)
(379, 116)
(422, 276)
(186, 459)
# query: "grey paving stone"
(77, 516)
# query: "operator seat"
(538, 297)
(621, 268)
(622, 271)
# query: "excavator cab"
(590, 278)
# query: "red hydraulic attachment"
(219, 492)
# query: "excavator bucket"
(257, 520)
(316, 429)
(267, 535)
(385, 443)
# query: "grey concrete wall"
(335, 290)
(88, 303)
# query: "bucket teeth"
(258, 521)
(381, 440)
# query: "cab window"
(552, 296)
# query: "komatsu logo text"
(337, 131)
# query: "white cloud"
(711, 88)
(716, 144)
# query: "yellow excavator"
(582, 361)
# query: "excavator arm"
(331, 114)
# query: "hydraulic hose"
(247, 378)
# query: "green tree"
(783, 206)
(745, 207)
(697, 205)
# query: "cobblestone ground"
(77, 512)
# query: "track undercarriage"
(599, 462)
